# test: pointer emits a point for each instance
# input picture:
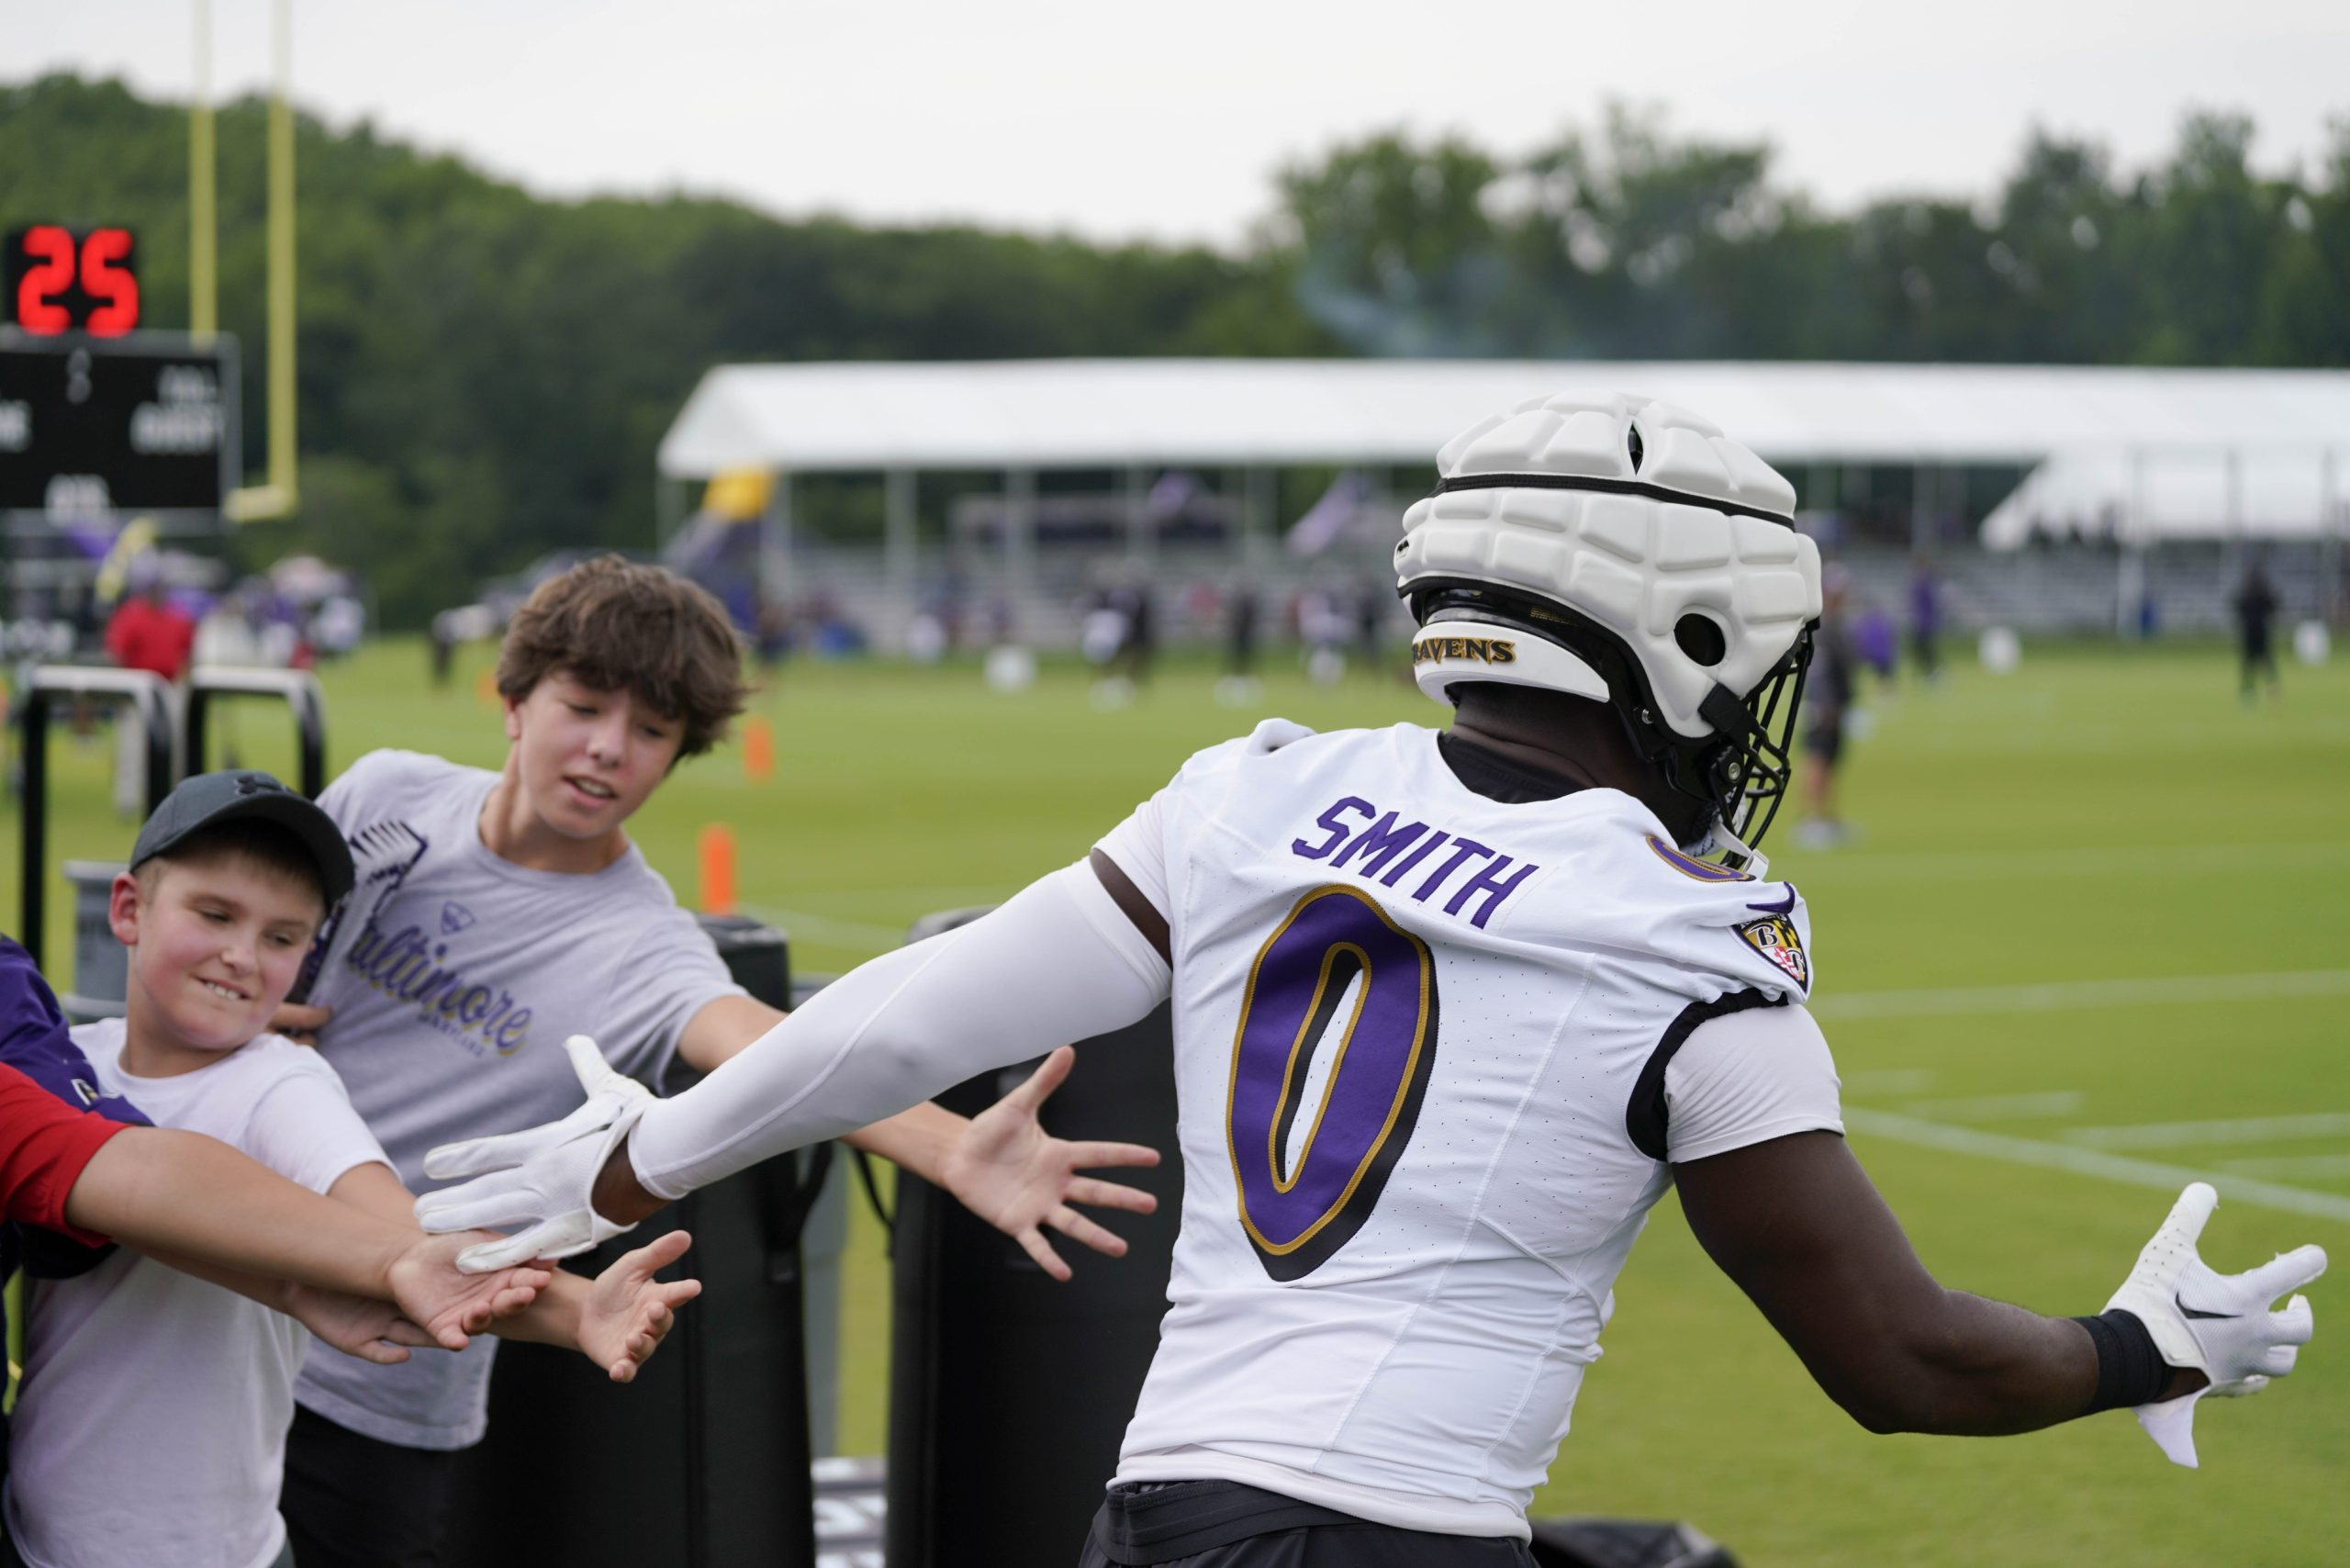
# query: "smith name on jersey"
(1422, 1042)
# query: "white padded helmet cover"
(1634, 564)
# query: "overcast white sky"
(1121, 120)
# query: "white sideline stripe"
(2074, 861)
(2243, 1129)
(2154, 990)
(2292, 1165)
(1890, 1081)
(2233, 1188)
(1999, 1107)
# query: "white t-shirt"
(150, 1428)
(1433, 1055)
(455, 976)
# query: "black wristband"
(2129, 1371)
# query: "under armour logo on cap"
(209, 799)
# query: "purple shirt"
(33, 1040)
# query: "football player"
(1452, 1010)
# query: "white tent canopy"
(1044, 414)
(2149, 495)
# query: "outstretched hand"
(371, 1331)
(2218, 1325)
(447, 1303)
(627, 1312)
(542, 1179)
(1011, 1172)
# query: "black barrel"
(1008, 1392)
(703, 1460)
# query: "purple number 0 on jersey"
(1298, 1216)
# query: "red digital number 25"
(113, 288)
(54, 275)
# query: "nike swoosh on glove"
(540, 1178)
(2218, 1323)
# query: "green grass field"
(2093, 937)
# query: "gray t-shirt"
(455, 976)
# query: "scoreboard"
(98, 419)
(144, 422)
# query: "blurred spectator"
(2256, 607)
(338, 626)
(444, 644)
(1827, 707)
(1241, 609)
(943, 604)
(1374, 600)
(1926, 621)
(1003, 622)
(771, 631)
(1132, 597)
(1322, 628)
(145, 633)
(1876, 640)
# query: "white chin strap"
(1446, 653)
(1734, 852)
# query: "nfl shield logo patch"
(1775, 937)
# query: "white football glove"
(2218, 1323)
(540, 1178)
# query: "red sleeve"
(44, 1146)
(119, 632)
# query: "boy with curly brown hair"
(499, 913)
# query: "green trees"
(485, 374)
(1627, 242)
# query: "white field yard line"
(2242, 1129)
(2078, 1162)
(1999, 1107)
(2073, 860)
(2153, 992)
(2292, 1165)
(1889, 1080)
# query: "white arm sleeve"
(1059, 962)
(1748, 1076)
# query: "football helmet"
(1626, 551)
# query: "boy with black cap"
(150, 1426)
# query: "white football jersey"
(1421, 1039)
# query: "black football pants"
(1221, 1524)
(352, 1501)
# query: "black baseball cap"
(210, 798)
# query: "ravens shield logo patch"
(1775, 937)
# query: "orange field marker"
(758, 750)
(718, 868)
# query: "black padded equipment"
(1008, 1392)
(1625, 1543)
(702, 1462)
